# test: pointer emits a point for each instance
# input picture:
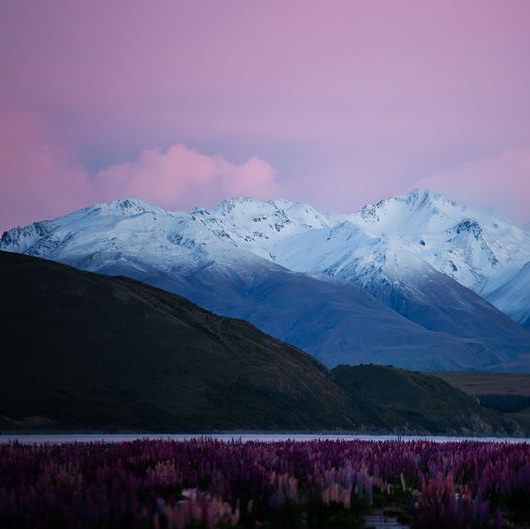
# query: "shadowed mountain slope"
(85, 351)
(82, 350)
(513, 297)
(373, 301)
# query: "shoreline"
(269, 437)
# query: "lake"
(244, 437)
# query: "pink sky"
(339, 103)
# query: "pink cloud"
(501, 182)
(349, 101)
(39, 180)
(180, 177)
(37, 177)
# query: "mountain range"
(409, 281)
(83, 351)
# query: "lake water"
(244, 437)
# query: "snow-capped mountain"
(128, 232)
(198, 258)
(390, 240)
(241, 259)
(256, 226)
(476, 248)
(398, 277)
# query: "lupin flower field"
(212, 484)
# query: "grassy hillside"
(415, 400)
(476, 383)
(81, 351)
(507, 393)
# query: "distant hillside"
(508, 393)
(415, 400)
(478, 383)
(82, 351)
(518, 364)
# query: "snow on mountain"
(189, 254)
(381, 244)
(256, 226)
(513, 297)
(475, 248)
(47, 238)
(346, 251)
(133, 234)
(388, 269)
(241, 259)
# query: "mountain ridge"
(239, 260)
(85, 351)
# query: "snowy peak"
(419, 231)
(20, 239)
(234, 206)
(426, 198)
(476, 248)
(414, 209)
(349, 252)
(245, 211)
(95, 226)
(256, 226)
(420, 199)
(125, 207)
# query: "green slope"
(80, 350)
(507, 393)
(416, 401)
